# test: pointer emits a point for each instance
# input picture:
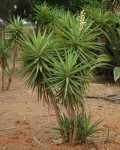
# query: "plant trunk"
(70, 127)
(75, 123)
(57, 112)
(3, 75)
(13, 68)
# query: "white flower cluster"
(44, 6)
(81, 19)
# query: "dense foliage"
(24, 7)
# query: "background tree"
(4, 56)
(22, 8)
(14, 31)
(44, 17)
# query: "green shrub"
(111, 58)
(100, 16)
(84, 128)
(14, 31)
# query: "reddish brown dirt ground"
(22, 118)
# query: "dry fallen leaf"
(105, 125)
(1, 114)
(44, 115)
(47, 131)
(100, 105)
(116, 141)
(25, 122)
(53, 114)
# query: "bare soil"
(23, 119)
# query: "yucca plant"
(117, 20)
(4, 56)
(34, 57)
(111, 58)
(44, 17)
(76, 33)
(84, 128)
(114, 4)
(69, 82)
(14, 31)
(35, 50)
(100, 16)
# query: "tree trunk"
(57, 112)
(70, 127)
(3, 75)
(13, 68)
(75, 123)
